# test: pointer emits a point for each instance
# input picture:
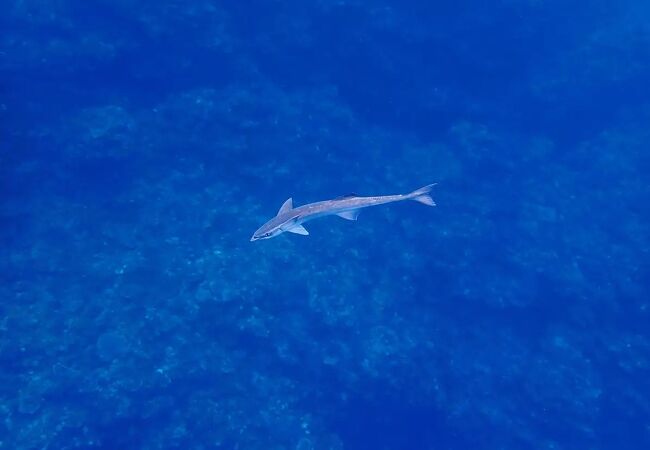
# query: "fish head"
(269, 230)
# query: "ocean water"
(142, 144)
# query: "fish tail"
(422, 195)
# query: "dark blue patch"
(144, 142)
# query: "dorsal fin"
(351, 194)
(286, 206)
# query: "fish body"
(348, 206)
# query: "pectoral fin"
(350, 215)
(298, 229)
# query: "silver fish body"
(348, 206)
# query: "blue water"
(142, 143)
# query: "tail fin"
(422, 195)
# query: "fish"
(290, 219)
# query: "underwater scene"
(325, 224)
